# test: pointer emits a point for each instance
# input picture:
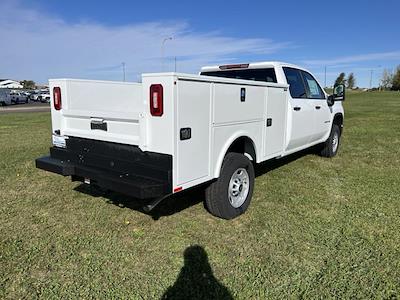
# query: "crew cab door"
(301, 109)
(321, 111)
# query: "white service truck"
(175, 131)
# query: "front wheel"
(230, 195)
(331, 145)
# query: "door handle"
(317, 107)
(297, 108)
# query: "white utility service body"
(200, 120)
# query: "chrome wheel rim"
(335, 142)
(238, 187)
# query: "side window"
(294, 79)
(313, 89)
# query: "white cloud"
(394, 55)
(38, 46)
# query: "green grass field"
(316, 228)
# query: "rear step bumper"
(124, 169)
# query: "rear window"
(265, 75)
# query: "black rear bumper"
(118, 167)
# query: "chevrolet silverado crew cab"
(175, 131)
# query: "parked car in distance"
(27, 94)
(18, 97)
(34, 96)
(5, 98)
(44, 97)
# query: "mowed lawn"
(316, 227)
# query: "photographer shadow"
(196, 279)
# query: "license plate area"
(59, 141)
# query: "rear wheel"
(331, 146)
(230, 195)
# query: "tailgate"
(101, 110)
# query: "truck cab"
(309, 115)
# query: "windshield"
(265, 75)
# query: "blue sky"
(89, 39)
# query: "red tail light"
(156, 100)
(57, 98)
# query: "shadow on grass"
(196, 279)
(169, 206)
(273, 164)
(181, 201)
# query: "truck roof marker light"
(57, 98)
(236, 66)
(156, 100)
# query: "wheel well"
(244, 145)
(338, 120)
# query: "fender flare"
(232, 139)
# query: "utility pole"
(370, 79)
(162, 51)
(123, 69)
(325, 76)
(175, 64)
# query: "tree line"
(389, 81)
(28, 84)
(349, 82)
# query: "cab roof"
(253, 65)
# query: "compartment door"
(275, 123)
(193, 130)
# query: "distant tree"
(28, 84)
(396, 80)
(351, 81)
(340, 79)
(387, 79)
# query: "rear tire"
(331, 146)
(230, 195)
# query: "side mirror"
(330, 100)
(338, 92)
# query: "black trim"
(119, 167)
